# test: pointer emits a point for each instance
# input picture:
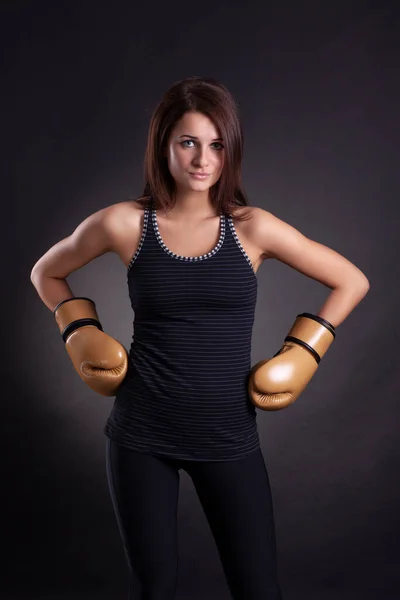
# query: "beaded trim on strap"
(145, 223)
(189, 258)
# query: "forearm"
(50, 289)
(341, 302)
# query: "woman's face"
(195, 146)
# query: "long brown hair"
(210, 97)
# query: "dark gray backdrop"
(318, 88)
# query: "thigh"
(144, 491)
(236, 499)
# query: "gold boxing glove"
(277, 382)
(100, 360)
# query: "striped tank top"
(185, 393)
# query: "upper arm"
(93, 237)
(284, 242)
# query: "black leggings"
(236, 499)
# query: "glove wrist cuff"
(76, 312)
(313, 333)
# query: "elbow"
(360, 282)
(362, 288)
(356, 286)
(35, 273)
(365, 284)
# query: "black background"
(318, 88)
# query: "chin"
(207, 182)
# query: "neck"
(192, 206)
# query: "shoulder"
(125, 207)
(253, 214)
(266, 231)
(123, 222)
(249, 218)
(243, 216)
(121, 213)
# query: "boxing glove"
(100, 360)
(275, 383)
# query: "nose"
(201, 157)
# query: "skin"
(191, 228)
(186, 155)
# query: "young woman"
(184, 397)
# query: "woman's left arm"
(277, 239)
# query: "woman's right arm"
(95, 236)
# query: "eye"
(215, 143)
(184, 142)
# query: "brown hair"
(212, 98)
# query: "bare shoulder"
(265, 230)
(126, 208)
(121, 215)
(251, 229)
(125, 223)
(244, 211)
(269, 234)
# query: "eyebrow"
(196, 138)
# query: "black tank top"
(185, 393)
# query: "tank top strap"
(228, 242)
(152, 238)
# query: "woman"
(192, 247)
